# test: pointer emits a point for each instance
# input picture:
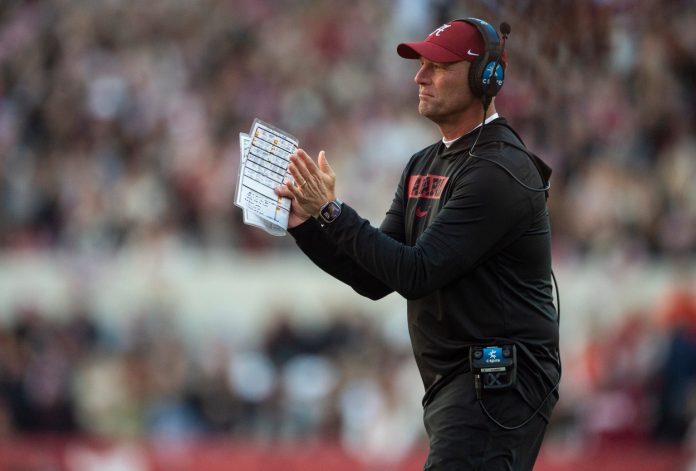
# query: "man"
(467, 242)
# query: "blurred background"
(144, 327)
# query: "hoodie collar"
(467, 140)
(448, 144)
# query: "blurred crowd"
(637, 379)
(350, 380)
(119, 120)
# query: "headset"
(486, 76)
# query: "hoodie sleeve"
(486, 210)
(317, 244)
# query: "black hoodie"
(469, 247)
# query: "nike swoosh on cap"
(471, 53)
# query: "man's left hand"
(314, 182)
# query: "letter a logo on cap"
(439, 31)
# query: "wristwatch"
(330, 211)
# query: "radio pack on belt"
(493, 366)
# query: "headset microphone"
(505, 29)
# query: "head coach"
(467, 242)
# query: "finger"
(295, 192)
(300, 180)
(302, 173)
(324, 164)
(307, 161)
(282, 190)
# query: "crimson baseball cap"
(452, 42)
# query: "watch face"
(330, 211)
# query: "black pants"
(462, 438)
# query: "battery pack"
(493, 366)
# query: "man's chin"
(427, 112)
(424, 110)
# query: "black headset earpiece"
(486, 74)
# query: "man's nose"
(423, 75)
